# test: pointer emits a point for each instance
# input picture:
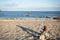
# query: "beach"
(10, 31)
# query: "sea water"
(28, 14)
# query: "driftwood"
(36, 35)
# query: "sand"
(10, 31)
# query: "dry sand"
(9, 30)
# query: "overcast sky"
(30, 5)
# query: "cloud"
(28, 5)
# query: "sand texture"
(10, 31)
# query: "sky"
(30, 5)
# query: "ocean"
(28, 14)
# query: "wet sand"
(10, 31)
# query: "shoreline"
(27, 19)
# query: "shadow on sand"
(36, 35)
(58, 38)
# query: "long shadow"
(58, 38)
(36, 35)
